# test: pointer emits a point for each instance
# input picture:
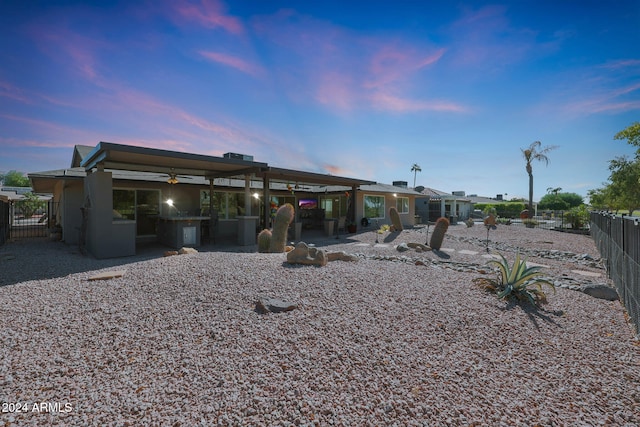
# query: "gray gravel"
(381, 341)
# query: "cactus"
(395, 219)
(264, 241)
(442, 224)
(283, 218)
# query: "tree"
(553, 202)
(599, 198)
(624, 190)
(631, 134)
(531, 153)
(15, 179)
(560, 201)
(30, 204)
(415, 169)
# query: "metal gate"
(28, 218)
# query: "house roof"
(108, 155)
(142, 159)
(434, 194)
(79, 153)
(289, 175)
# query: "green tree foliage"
(503, 210)
(623, 189)
(553, 202)
(31, 204)
(14, 179)
(560, 201)
(578, 217)
(631, 134)
(599, 199)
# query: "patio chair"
(342, 224)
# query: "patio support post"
(212, 214)
(443, 209)
(265, 200)
(354, 203)
(247, 195)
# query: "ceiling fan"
(173, 177)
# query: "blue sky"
(358, 89)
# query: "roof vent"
(401, 184)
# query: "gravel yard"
(394, 338)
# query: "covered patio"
(127, 194)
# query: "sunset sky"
(357, 89)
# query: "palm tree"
(534, 152)
(415, 169)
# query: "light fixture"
(172, 179)
(170, 202)
(256, 196)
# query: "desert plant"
(281, 222)
(395, 219)
(264, 241)
(441, 227)
(383, 228)
(530, 223)
(469, 222)
(578, 217)
(518, 281)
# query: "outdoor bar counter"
(179, 231)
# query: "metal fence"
(21, 219)
(618, 240)
(547, 220)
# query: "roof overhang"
(310, 178)
(108, 155)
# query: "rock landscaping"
(225, 338)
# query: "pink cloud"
(336, 90)
(334, 170)
(7, 90)
(606, 101)
(343, 70)
(622, 64)
(209, 14)
(396, 104)
(68, 47)
(234, 62)
(390, 64)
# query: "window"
(402, 205)
(334, 206)
(124, 204)
(374, 206)
(228, 205)
(142, 206)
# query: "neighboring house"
(433, 204)
(114, 196)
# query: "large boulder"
(184, 250)
(340, 256)
(273, 305)
(600, 291)
(303, 254)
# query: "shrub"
(578, 217)
(520, 282)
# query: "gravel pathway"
(381, 341)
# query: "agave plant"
(517, 281)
